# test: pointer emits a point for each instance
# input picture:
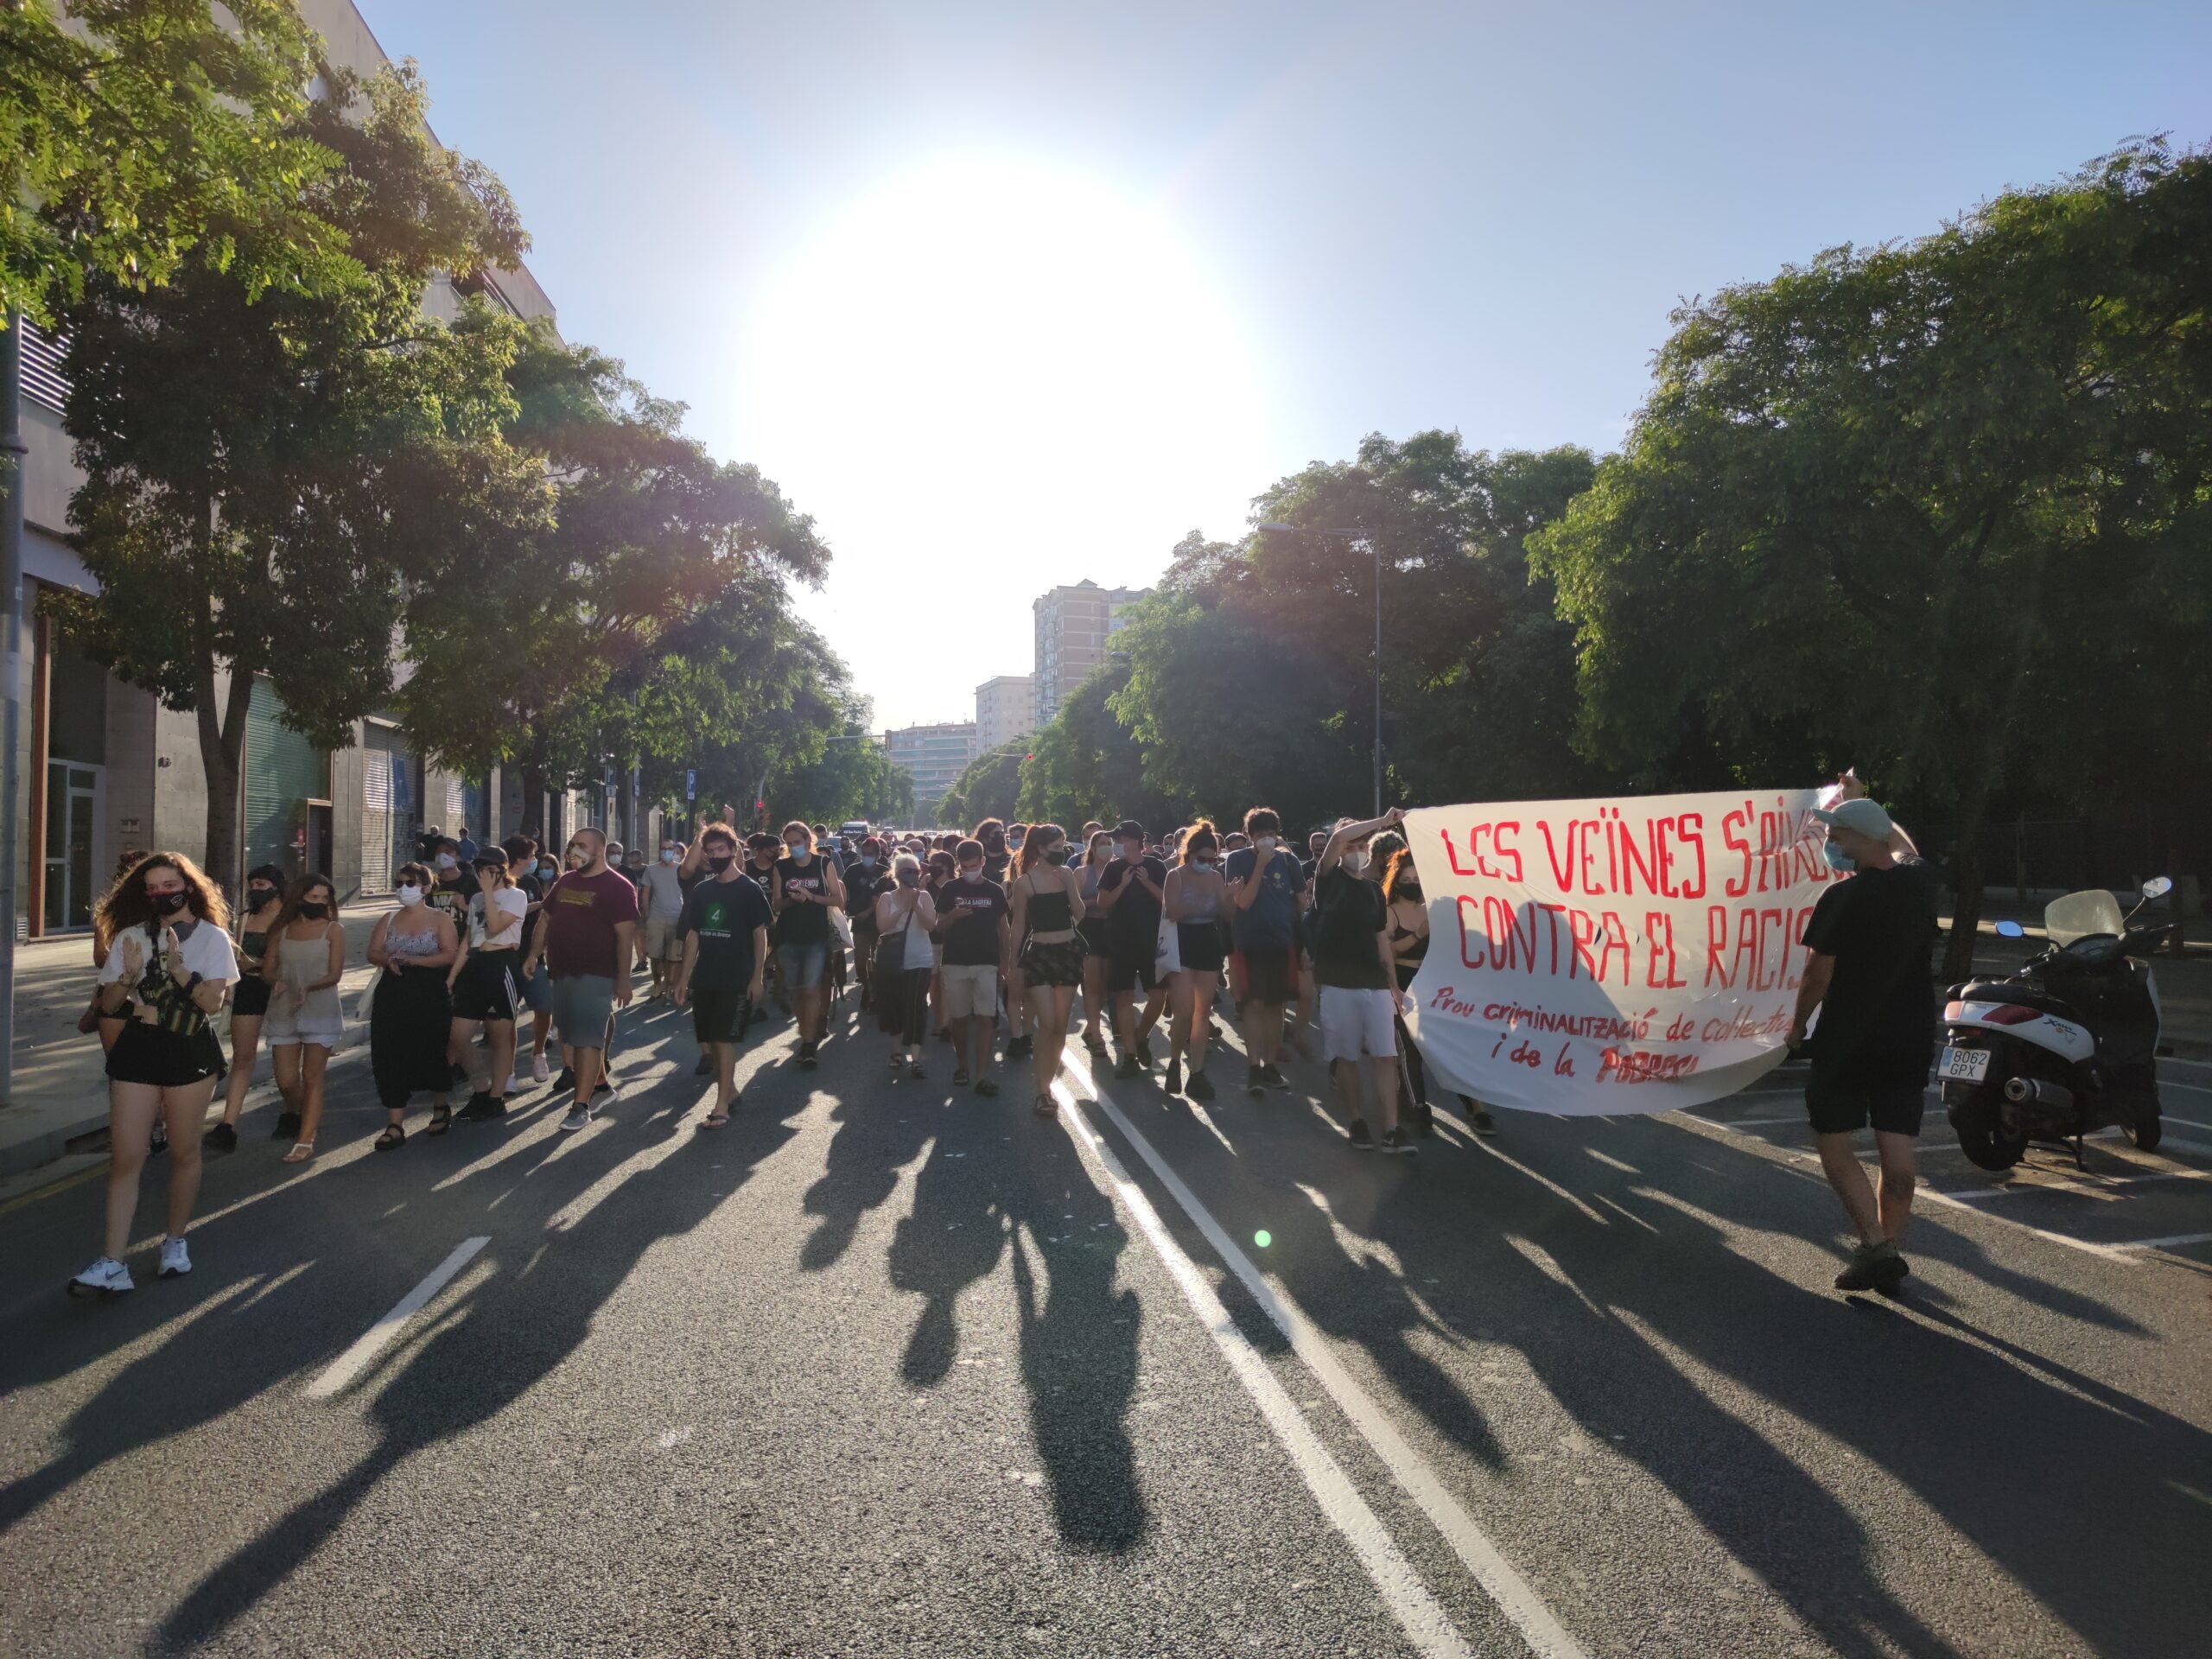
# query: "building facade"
(934, 757)
(108, 772)
(1005, 709)
(1073, 626)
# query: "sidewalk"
(60, 1087)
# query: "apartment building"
(107, 771)
(1073, 626)
(934, 757)
(1005, 709)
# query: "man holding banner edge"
(1866, 974)
(1358, 981)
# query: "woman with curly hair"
(168, 965)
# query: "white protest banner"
(1637, 955)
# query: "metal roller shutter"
(283, 771)
(386, 807)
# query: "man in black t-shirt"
(724, 928)
(866, 877)
(1360, 997)
(1131, 890)
(974, 925)
(990, 834)
(1867, 972)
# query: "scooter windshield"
(2079, 914)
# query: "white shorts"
(1355, 1024)
(971, 990)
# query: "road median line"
(355, 1360)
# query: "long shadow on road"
(1616, 1282)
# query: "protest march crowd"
(944, 936)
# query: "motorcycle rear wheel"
(1982, 1135)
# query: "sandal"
(914, 1072)
(301, 1151)
(1047, 1107)
(441, 1120)
(393, 1136)
(714, 1120)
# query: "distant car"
(855, 830)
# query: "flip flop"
(714, 1120)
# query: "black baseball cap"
(1129, 830)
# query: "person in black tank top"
(1046, 903)
(265, 897)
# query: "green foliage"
(272, 477)
(989, 787)
(1086, 764)
(1891, 507)
(143, 137)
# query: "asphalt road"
(881, 1370)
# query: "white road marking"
(1408, 1599)
(2176, 1083)
(1750, 1122)
(2167, 1242)
(2188, 1122)
(351, 1364)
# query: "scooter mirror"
(2157, 886)
(2010, 930)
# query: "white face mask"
(447, 860)
(410, 894)
(667, 855)
(1265, 843)
(1356, 862)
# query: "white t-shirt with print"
(513, 904)
(206, 951)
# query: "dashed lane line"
(351, 1364)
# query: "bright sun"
(991, 360)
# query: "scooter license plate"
(1963, 1064)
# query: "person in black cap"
(1130, 894)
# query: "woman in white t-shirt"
(167, 968)
(487, 991)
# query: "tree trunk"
(533, 804)
(1966, 918)
(222, 752)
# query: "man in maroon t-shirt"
(589, 940)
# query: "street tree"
(989, 787)
(270, 476)
(1868, 508)
(140, 138)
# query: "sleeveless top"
(253, 944)
(300, 963)
(397, 944)
(1049, 912)
(1088, 874)
(1212, 911)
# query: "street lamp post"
(1356, 537)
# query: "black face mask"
(1408, 889)
(1058, 855)
(256, 897)
(315, 913)
(719, 862)
(168, 904)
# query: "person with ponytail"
(1047, 901)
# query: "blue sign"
(691, 786)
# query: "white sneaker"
(104, 1278)
(538, 1071)
(176, 1261)
(509, 1087)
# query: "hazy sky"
(1010, 295)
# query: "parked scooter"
(2066, 1045)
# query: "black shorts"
(1059, 962)
(1838, 1108)
(484, 990)
(147, 1054)
(1094, 941)
(1271, 975)
(1199, 947)
(719, 1013)
(1132, 970)
(251, 998)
